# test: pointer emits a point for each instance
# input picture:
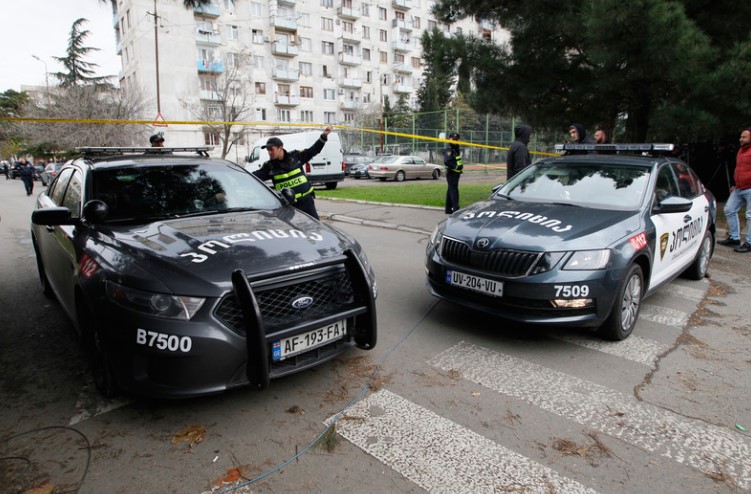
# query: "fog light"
(575, 303)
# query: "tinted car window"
(688, 182)
(666, 185)
(600, 186)
(72, 197)
(58, 188)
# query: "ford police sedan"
(186, 275)
(577, 240)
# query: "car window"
(666, 185)
(72, 196)
(605, 186)
(419, 161)
(135, 193)
(58, 186)
(688, 182)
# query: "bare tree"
(85, 103)
(230, 99)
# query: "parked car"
(185, 275)
(351, 160)
(400, 168)
(578, 240)
(38, 170)
(360, 170)
(50, 172)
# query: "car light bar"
(617, 148)
(101, 151)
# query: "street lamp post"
(46, 75)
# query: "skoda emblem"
(483, 243)
(302, 302)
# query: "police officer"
(285, 170)
(452, 159)
(27, 175)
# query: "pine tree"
(78, 72)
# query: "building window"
(366, 54)
(329, 117)
(348, 27)
(365, 10)
(260, 88)
(306, 68)
(233, 32)
(384, 35)
(306, 92)
(207, 83)
(382, 13)
(458, 31)
(261, 114)
(303, 19)
(284, 115)
(416, 22)
(127, 16)
(385, 79)
(327, 47)
(416, 63)
(366, 98)
(368, 76)
(284, 89)
(257, 36)
(256, 9)
(399, 15)
(398, 58)
(211, 139)
(229, 5)
(329, 94)
(306, 116)
(327, 24)
(305, 44)
(233, 60)
(384, 57)
(365, 32)
(349, 117)
(432, 25)
(326, 71)
(327, 3)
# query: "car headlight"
(437, 236)
(548, 262)
(588, 260)
(154, 304)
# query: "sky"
(42, 28)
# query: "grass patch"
(420, 192)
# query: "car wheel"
(331, 185)
(46, 287)
(399, 177)
(100, 361)
(436, 174)
(382, 179)
(357, 177)
(622, 319)
(698, 269)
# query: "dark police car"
(577, 240)
(186, 275)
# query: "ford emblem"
(483, 243)
(302, 302)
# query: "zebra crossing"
(440, 454)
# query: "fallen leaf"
(46, 488)
(233, 474)
(193, 434)
(296, 409)
(476, 394)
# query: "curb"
(378, 224)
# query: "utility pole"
(156, 51)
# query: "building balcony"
(348, 104)
(350, 82)
(207, 10)
(119, 47)
(402, 46)
(210, 66)
(402, 24)
(283, 23)
(350, 59)
(283, 50)
(285, 75)
(209, 95)
(208, 37)
(286, 100)
(402, 68)
(401, 88)
(289, 3)
(351, 36)
(401, 4)
(351, 13)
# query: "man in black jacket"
(285, 169)
(518, 157)
(452, 159)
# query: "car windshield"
(147, 191)
(603, 186)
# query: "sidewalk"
(415, 219)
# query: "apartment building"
(294, 61)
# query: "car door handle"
(687, 218)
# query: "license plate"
(476, 283)
(287, 347)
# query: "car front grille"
(502, 262)
(332, 292)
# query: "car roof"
(619, 159)
(113, 157)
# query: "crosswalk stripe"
(663, 315)
(687, 441)
(634, 348)
(440, 455)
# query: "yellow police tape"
(251, 124)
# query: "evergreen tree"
(78, 72)
(439, 72)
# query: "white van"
(326, 168)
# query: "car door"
(673, 238)
(420, 167)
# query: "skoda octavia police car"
(186, 275)
(577, 240)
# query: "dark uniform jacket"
(518, 157)
(289, 172)
(452, 158)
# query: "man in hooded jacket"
(579, 136)
(518, 157)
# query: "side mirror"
(52, 217)
(671, 204)
(288, 195)
(95, 211)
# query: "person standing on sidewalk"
(452, 159)
(518, 158)
(740, 194)
(27, 175)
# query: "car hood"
(539, 226)
(196, 256)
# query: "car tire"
(382, 179)
(622, 319)
(46, 287)
(399, 177)
(99, 359)
(698, 269)
(436, 174)
(331, 185)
